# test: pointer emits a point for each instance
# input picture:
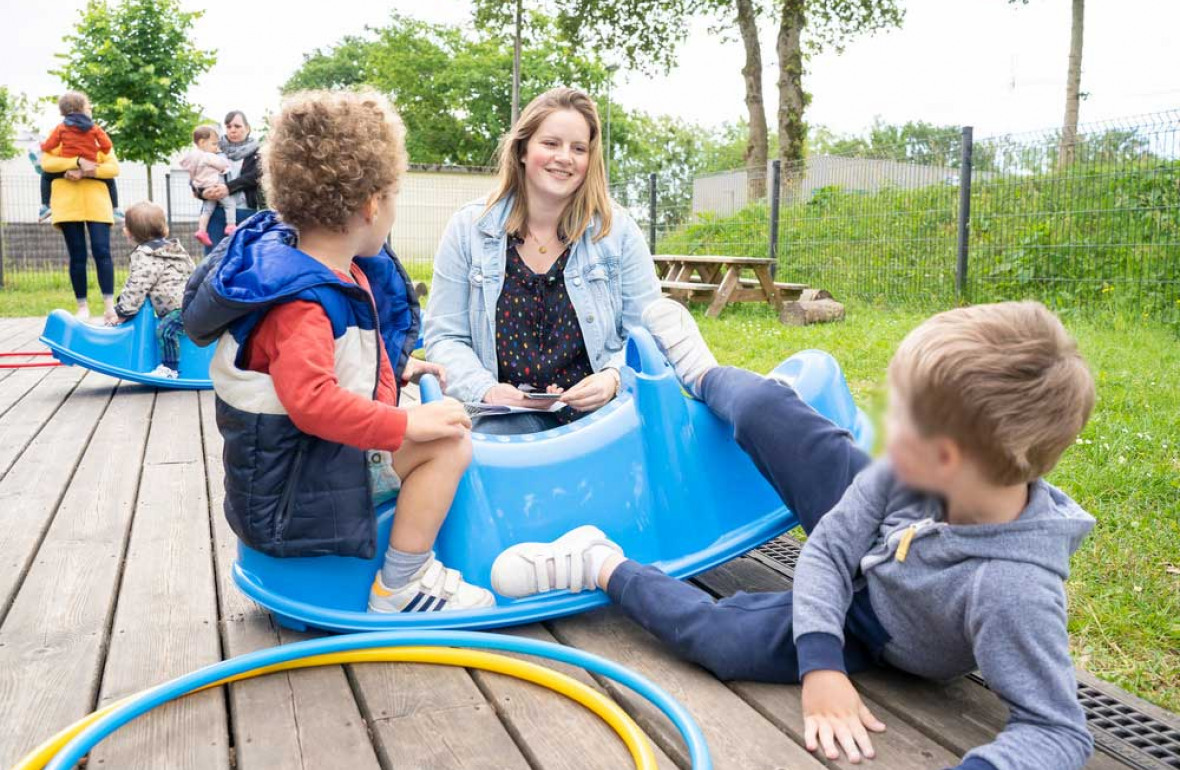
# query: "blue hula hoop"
(690, 731)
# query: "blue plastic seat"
(655, 469)
(127, 351)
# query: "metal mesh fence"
(1089, 224)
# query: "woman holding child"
(81, 205)
(537, 287)
(244, 178)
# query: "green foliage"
(452, 87)
(834, 23)
(1084, 240)
(643, 34)
(14, 113)
(136, 61)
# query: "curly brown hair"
(328, 153)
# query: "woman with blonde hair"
(537, 287)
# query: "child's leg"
(113, 190)
(411, 579)
(47, 187)
(745, 636)
(807, 459)
(202, 233)
(168, 333)
(231, 212)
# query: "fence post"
(776, 169)
(964, 212)
(168, 197)
(651, 210)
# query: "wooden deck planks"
(166, 616)
(53, 641)
(104, 479)
(301, 719)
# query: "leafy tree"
(136, 61)
(14, 113)
(450, 86)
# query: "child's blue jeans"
(169, 330)
(810, 462)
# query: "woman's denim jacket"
(609, 283)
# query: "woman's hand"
(215, 192)
(73, 174)
(594, 391)
(415, 368)
(87, 166)
(507, 395)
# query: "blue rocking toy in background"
(654, 469)
(127, 351)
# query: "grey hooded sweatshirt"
(959, 597)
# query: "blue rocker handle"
(429, 389)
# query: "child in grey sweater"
(948, 556)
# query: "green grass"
(1125, 470)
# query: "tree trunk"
(756, 144)
(1073, 83)
(149, 176)
(516, 70)
(791, 99)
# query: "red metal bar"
(30, 366)
(38, 353)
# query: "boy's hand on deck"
(440, 419)
(834, 715)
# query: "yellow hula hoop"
(610, 712)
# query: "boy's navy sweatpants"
(809, 462)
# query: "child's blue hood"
(260, 265)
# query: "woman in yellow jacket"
(81, 204)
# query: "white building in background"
(727, 192)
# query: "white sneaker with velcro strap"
(433, 588)
(569, 562)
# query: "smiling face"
(557, 156)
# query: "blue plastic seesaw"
(127, 351)
(654, 469)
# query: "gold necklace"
(543, 248)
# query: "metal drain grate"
(1121, 730)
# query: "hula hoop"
(83, 736)
(610, 712)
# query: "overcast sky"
(978, 62)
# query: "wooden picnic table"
(718, 280)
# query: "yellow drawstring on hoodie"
(903, 547)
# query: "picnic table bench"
(718, 280)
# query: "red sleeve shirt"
(294, 345)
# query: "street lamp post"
(610, 70)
